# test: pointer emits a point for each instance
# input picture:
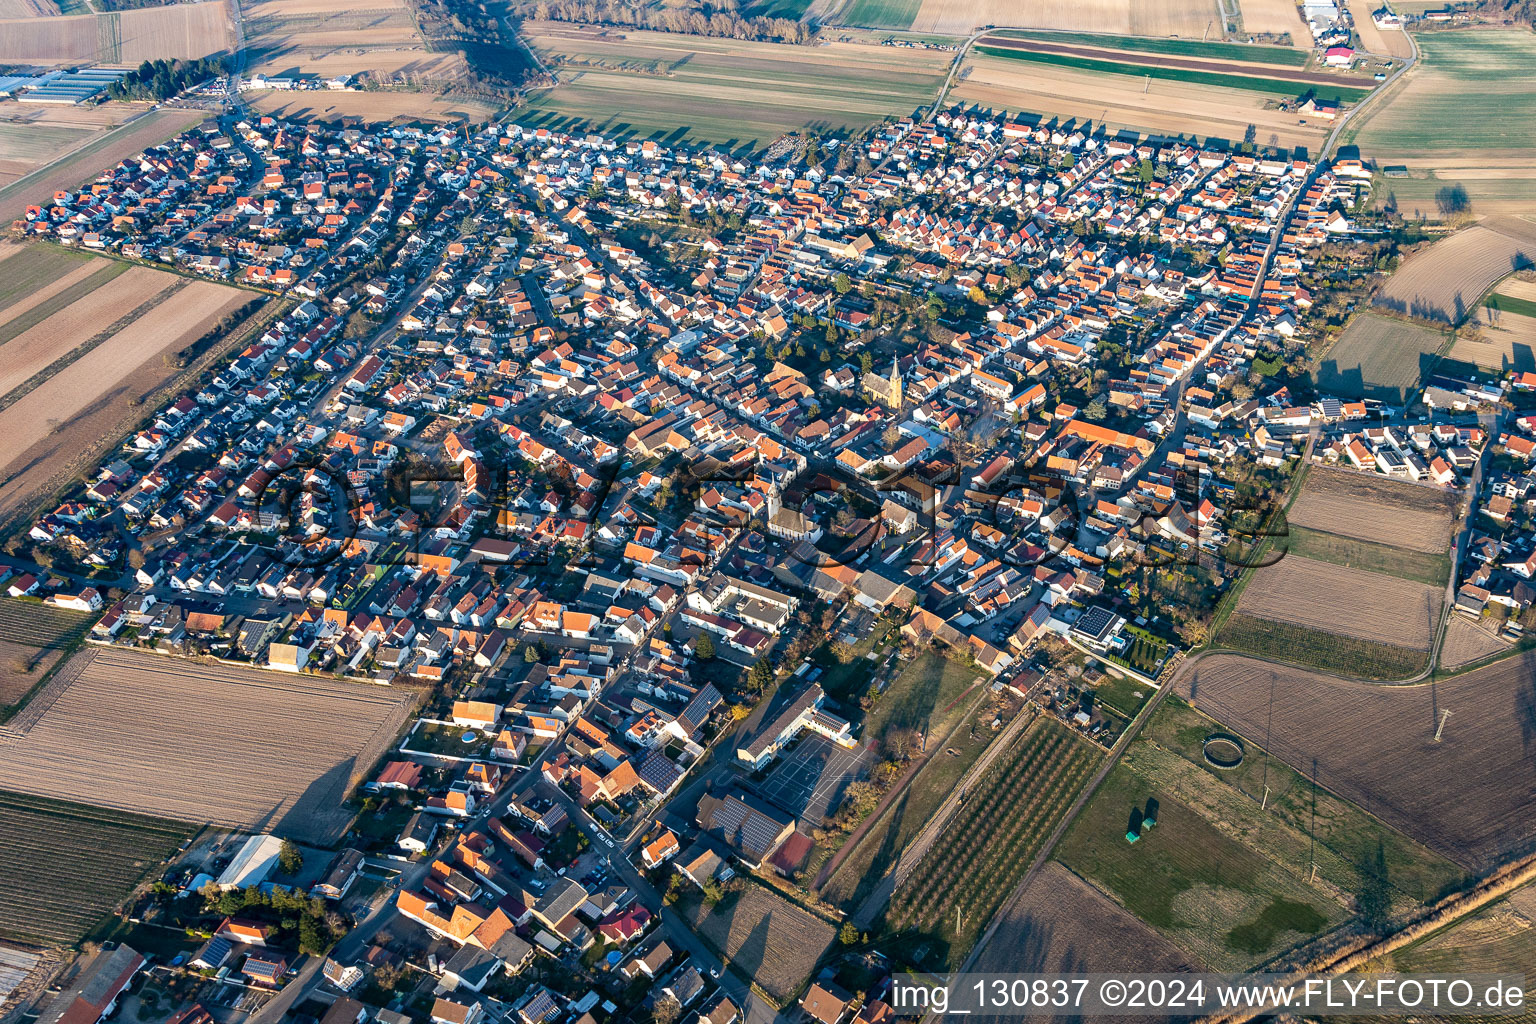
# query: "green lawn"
(1225, 903)
(1272, 86)
(1121, 694)
(1419, 566)
(1174, 47)
(436, 738)
(846, 683)
(930, 695)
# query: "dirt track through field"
(238, 747)
(1471, 797)
(1225, 67)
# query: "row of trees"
(161, 79)
(698, 19)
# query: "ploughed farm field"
(721, 91)
(1470, 797)
(242, 748)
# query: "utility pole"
(1444, 714)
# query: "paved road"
(755, 1010)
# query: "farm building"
(253, 863)
(96, 988)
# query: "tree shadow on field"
(1525, 712)
(752, 955)
(317, 817)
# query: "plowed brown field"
(1350, 602)
(237, 747)
(1471, 797)
(1370, 507)
(37, 347)
(1447, 280)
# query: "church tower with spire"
(885, 390)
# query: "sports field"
(1466, 114)
(722, 92)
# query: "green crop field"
(897, 14)
(774, 8)
(984, 852)
(1422, 567)
(68, 865)
(1475, 90)
(35, 266)
(1272, 86)
(1331, 652)
(98, 276)
(1510, 304)
(1282, 823)
(1173, 47)
(1225, 903)
(1469, 106)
